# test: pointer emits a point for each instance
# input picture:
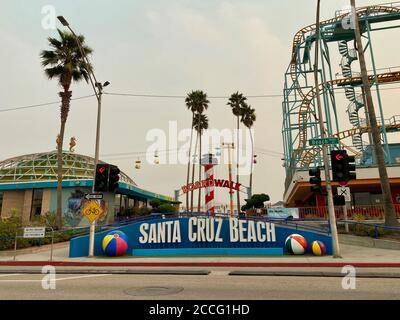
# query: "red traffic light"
(101, 169)
(339, 157)
(343, 166)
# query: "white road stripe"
(88, 276)
(59, 279)
(9, 274)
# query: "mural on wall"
(73, 214)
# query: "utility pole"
(331, 208)
(390, 213)
(230, 146)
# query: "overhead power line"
(265, 96)
(183, 97)
(41, 104)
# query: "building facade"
(28, 188)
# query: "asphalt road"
(216, 285)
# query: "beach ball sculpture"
(318, 248)
(296, 244)
(115, 243)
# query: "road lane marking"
(88, 276)
(59, 279)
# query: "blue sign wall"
(203, 236)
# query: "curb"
(185, 272)
(203, 264)
(313, 274)
(115, 271)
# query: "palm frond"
(196, 101)
(54, 72)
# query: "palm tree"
(237, 102)
(193, 169)
(65, 63)
(200, 125)
(248, 119)
(189, 101)
(197, 102)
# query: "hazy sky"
(164, 47)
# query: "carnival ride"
(300, 119)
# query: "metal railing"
(366, 212)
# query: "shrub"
(166, 208)
(144, 211)
(358, 217)
(48, 220)
(130, 212)
(8, 228)
(155, 203)
(256, 201)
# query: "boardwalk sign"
(222, 183)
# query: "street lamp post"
(98, 93)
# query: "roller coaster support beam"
(331, 208)
(390, 214)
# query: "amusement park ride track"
(306, 156)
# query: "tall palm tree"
(237, 102)
(190, 98)
(200, 125)
(195, 155)
(248, 119)
(198, 103)
(65, 63)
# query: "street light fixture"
(98, 93)
(63, 21)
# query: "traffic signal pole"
(331, 208)
(96, 161)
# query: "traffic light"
(101, 179)
(107, 177)
(315, 179)
(351, 168)
(113, 178)
(343, 166)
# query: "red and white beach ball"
(296, 244)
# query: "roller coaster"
(300, 119)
